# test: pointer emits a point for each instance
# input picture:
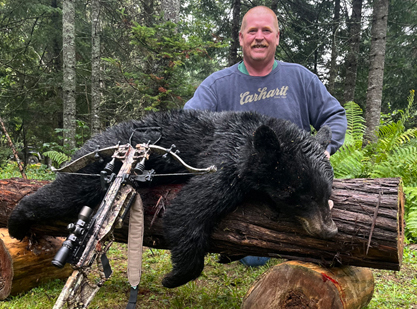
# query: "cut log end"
(24, 265)
(305, 285)
(6, 271)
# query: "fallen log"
(369, 214)
(11, 191)
(297, 284)
(24, 265)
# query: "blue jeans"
(254, 261)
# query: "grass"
(220, 286)
(397, 289)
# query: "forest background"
(69, 69)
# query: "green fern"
(57, 157)
(393, 134)
(356, 124)
(393, 155)
(401, 162)
(348, 161)
(411, 211)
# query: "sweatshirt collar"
(242, 67)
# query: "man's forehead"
(260, 18)
(264, 15)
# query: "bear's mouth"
(317, 228)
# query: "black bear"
(250, 151)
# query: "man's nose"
(259, 35)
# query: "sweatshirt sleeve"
(203, 99)
(324, 109)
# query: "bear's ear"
(324, 136)
(265, 141)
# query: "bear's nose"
(329, 231)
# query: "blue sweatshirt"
(289, 92)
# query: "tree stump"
(296, 284)
(24, 265)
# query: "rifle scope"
(77, 230)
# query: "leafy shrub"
(393, 155)
(5, 153)
(33, 171)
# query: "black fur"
(251, 152)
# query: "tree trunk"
(95, 67)
(69, 81)
(55, 56)
(376, 70)
(24, 265)
(233, 57)
(369, 214)
(352, 57)
(305, 285)
(333, 58)
(171, 10)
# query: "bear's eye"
(301, 206)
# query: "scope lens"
(61, 257)
(85, 213)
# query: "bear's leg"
(188, 261)
(62, 199)
(188, 224)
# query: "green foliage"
(393, 155)
(57, 157)
(60, 152)
(348, 162)
(29, 70)
(152, 65)
(356, 124)
(82, 132)
(159, 79)
(34, 171)
(400, 57)
(411, 210)
(5, 154)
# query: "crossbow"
(92, 234)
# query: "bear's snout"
(317, 227)
(329, 231)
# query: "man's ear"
(266, 142)
(324, 136)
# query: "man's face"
(259, 38)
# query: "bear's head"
(296, 173)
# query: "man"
(270, 87)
